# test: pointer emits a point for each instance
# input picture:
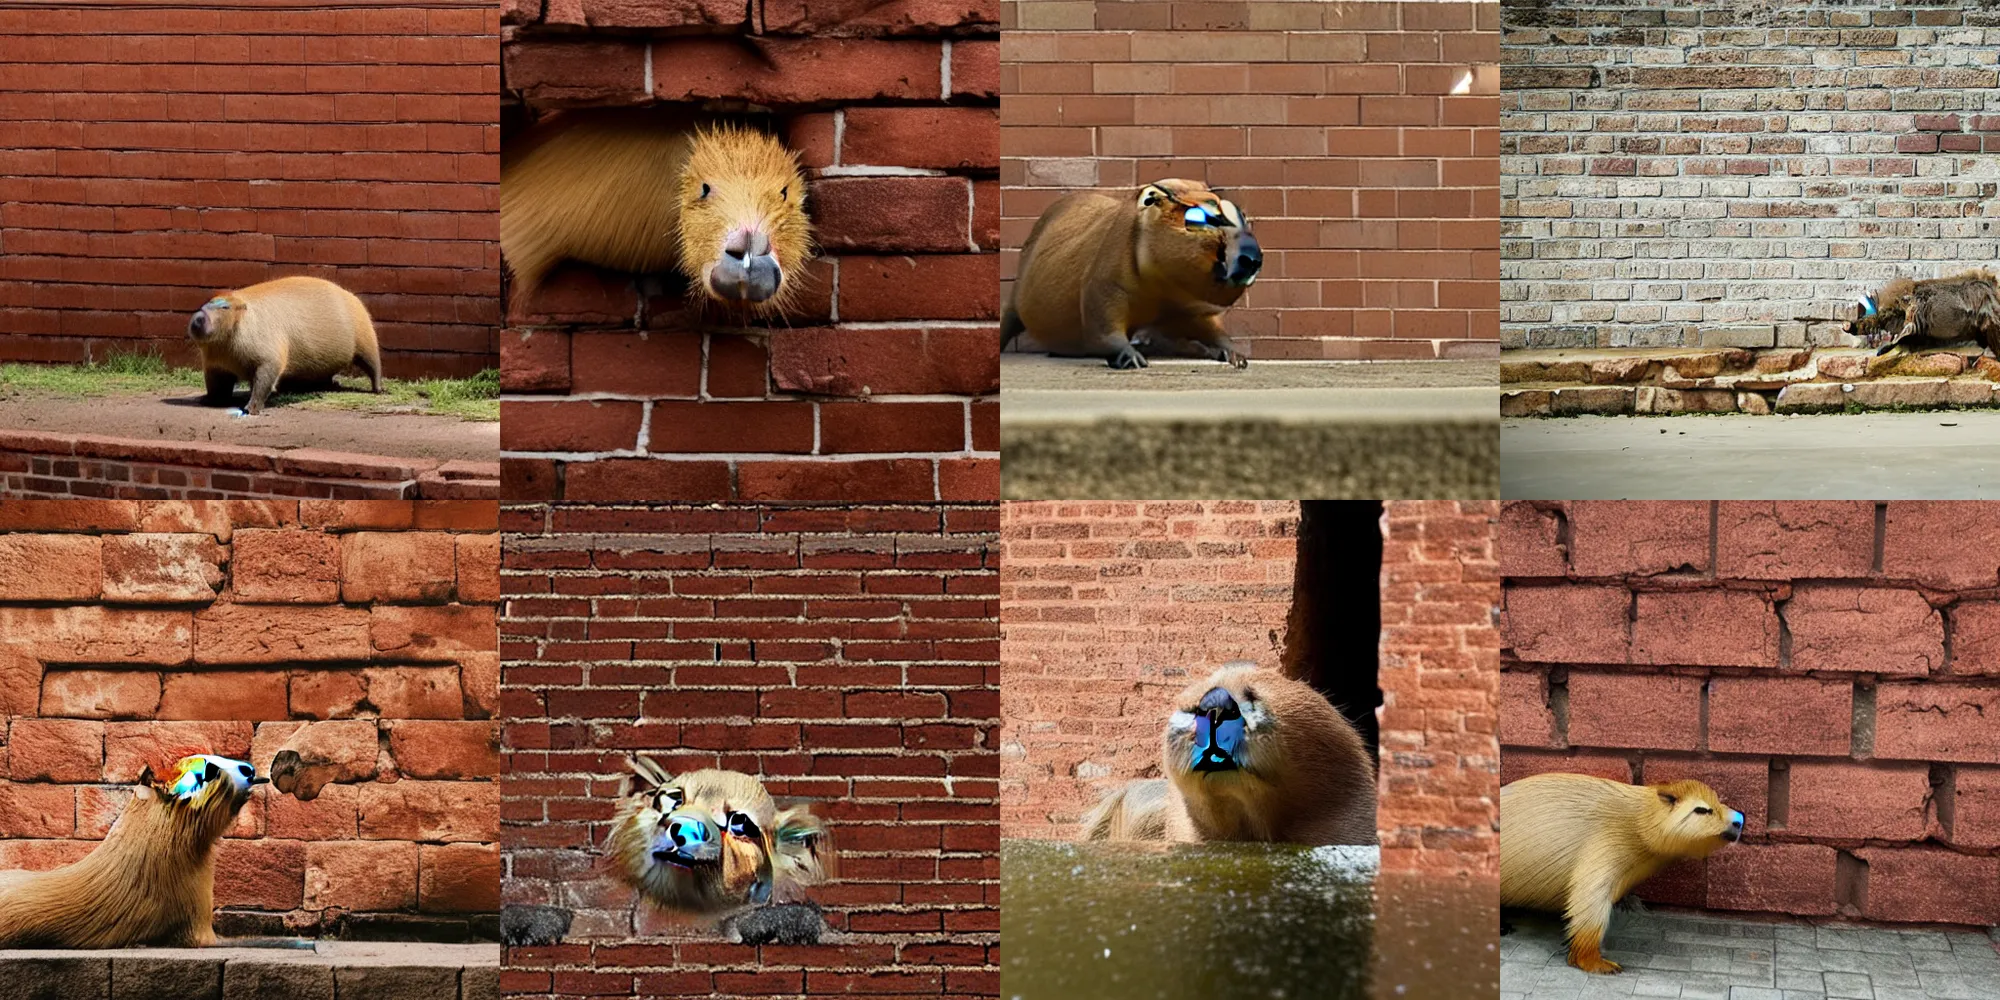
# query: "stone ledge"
(326, 971)
(1896, 393)
(41, 463)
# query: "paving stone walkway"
(1721, 958)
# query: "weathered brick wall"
(1829, 667)
(59, 466)
(845, 655)
(1113, 608)
(1439, 808)
(1686, 174)
(157, 155)
(887, 373)
(1369, 183)
(136, 626)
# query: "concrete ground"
(1933, 455)
(1710, 957)
(1073, 428)
(184, 418)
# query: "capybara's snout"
(198, 326)
(1735, 831)
(746, 271)
(1249, 259)
(686, 839)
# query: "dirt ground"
(182, 418)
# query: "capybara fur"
(299, 329)
(1114, 279)
(709, 841)
(1577, 844)
(647, 192)
(151, 881)
(1250, 755)
(1936, 312)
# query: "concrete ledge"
(330, 970)
(62, 465)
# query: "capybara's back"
(323, 326)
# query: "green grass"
(475, 398)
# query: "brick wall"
(158, 155)
(845, 655)
(1827, 666)
(1439, 808)
(1689, 174)
(133, 626)
(1369, 184)
(59, 466)
(1113, 608)
(887, 374)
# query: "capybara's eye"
(1702, 810)
(1195, 216)
(785, 193)
(668, 800)
(704, 190)
(742, 826)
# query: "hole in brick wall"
(1881, 526)
(1944, 796)
(1863, 737)
(1559, 704)
(1332, 639)
(1778, 796)
(1850, 883)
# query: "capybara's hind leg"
(221, 385)
(371, 362)
(1010, 326)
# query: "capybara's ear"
(803, 845)
(1669, 798)
(647, 774)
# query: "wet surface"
(1237, 921)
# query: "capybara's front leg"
(261, 383)
(1107, 326)
(1589, 914)
(1208, 332)
(220, 385)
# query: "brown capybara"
(1914, 315)
(152, 880)
(301, 329)
(1576, 844)
(645, 192)
(1104, 278)
(710, 841)
(1250, 754)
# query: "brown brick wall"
(845, 655)
(60, 466)
(1112, 608)
(1371, 187)
(158, 155)
(1684, 174)
(1827, 666)
(887, 374)
(132, 626)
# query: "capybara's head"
(1232, 724)
(1693, 821)
(1197, 240)
(204, 790)
(712, 840)
(216, 320)
(745, 236)
(1881, 315)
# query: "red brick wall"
(1440, 806)
(156, 156)
(845, 655)
(1112, 608)
(1827, 666)
(1373, 190)
(887, 374)
(58, 466)
(136, 625)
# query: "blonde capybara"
(1121, 278)
(647, 192)
(1936, 312)
(151, 881)
(1576, 844)
(1250, 755)
(709, 841)
(299, 329)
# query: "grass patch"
(474, 398)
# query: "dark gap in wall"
(1863, 739)
(1334, 632)
(1850, 883)
(1944, 797)
(1701, 720)
(1714, 534)
(1881, 532)
(1778, 796)
(1559, 704)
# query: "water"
(1236, 921)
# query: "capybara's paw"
(782, 923)
(1128, 357)
(238, 411)
(533, 925)
(1236, 359)
(1597, 964)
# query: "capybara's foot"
(533, 925)
(1597, 964)
(784, 923)
(1127, 358)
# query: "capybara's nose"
(198, 326)
(1249, 259)
(747, 243)
(692, 840)
(746, 279)
(1218, 732)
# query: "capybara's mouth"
(747, 271)
(685, 863)
(1732, 835)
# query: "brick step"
(1734, 369)
(1893, 393)
(330, 969)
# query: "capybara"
(1936, 312)
(709, 841)
(646, 192)
(1576, 844)
(1106, 278)
(152, 880)
(1250, 754)
(298, 328)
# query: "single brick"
(1783, 540)
(1976, 808)
(1931, 885)
(252, 695)
(397, 567)
(361, 875)
(69, 750)
(1529, 540)
(1635, 710)
(1864, 629)
(458, 878)
(248, 634)
(1941, 545)
(1781, 878)
(1525, 717)
(452, 811)
(285, 566)
(1850, 801)
(1780, 715)
(1937, 721)
(1710, 628)
(1567, 624)
(100, 694)
(442, 749)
